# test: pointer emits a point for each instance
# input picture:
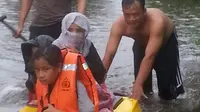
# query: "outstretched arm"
(25, 8)
(152, 48)
(112, 45)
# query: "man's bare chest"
(141, 36)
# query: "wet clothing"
(52, 30)
(50, 12)
(26, 48)
(48, 17)
(166, 65)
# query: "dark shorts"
(52, 30)
(166, 65)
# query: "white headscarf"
(68, 39)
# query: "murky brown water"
(101, 14)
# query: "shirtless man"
(155, 47)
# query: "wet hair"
(52, 54)
(127, 3)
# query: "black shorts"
(166, 65)
(52, 30)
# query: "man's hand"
(137, 92)
(51, 109)
(18, 32)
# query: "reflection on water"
(101, 14)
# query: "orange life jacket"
(64, 93)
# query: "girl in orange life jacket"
(47, 65)
(49, 87)
(75, 29)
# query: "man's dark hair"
(127, 3)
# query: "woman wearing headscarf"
(75, 29)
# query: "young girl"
(47, 65)
(56, 85)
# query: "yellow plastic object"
(29, 109)
(126, 104)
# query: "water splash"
(13, 94)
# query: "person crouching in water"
(28, 49)
(63, 79)
(75, 29)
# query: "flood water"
(102, 13)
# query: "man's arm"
(153, 46)
(25, 8)
(112, 45)
(81, 6)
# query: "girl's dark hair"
(52, 54)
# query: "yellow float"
(125, 104)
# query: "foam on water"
(9, 89)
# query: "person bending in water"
(75, 29)
(155, 47)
